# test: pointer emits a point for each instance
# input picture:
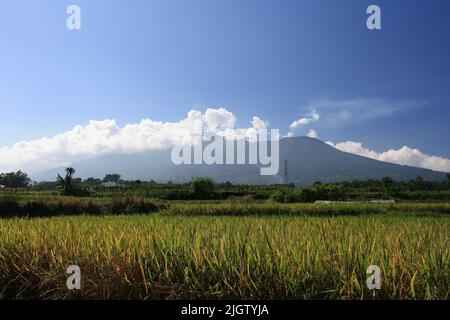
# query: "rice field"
(190, 254)
(305, 209)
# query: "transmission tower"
(286, 180)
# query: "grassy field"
(178, 254)
(305, 209)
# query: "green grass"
(172, 256)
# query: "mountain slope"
(312, 160)
(309, 160)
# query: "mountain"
(308, 160)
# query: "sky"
(304, 67)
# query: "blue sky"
(278, 60)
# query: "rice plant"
(169, 256)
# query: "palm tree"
(66, 183)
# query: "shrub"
(10, 207)
(9, 204)
(203, 188)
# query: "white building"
(110, 184)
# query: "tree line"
(205, 188)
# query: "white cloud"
(299, 122)
(312, 134)
(103, 137)
(289, 135)
(311, 117)
(405, 156)
(219, 119)
(259, 124)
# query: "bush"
(203, 188)
(13, 207)
(311, 194)
(132, 205)
(8, 205)
(279, 196)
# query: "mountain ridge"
(309, 160)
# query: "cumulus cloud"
(312, 134)
(259, 124)
(106, 137)
(219, 119)
(405, 156)
(289, 135)
(311, 117)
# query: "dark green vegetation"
(17, 179)
(70, 196)
(31, 206)
(417, 189)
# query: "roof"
(110, 184)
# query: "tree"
(387, 183)
(66, 183)
(92, 182)
(112, 177)
(203, 188)
(419, 182)
(15, 180)
(228, 185)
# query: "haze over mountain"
(309, 160)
